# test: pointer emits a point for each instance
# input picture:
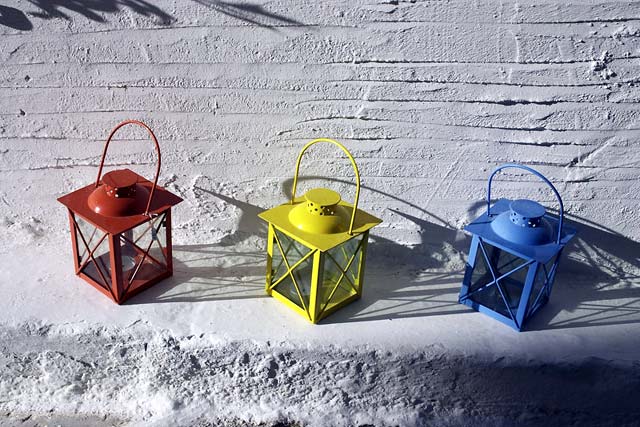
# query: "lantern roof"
(522, 227)
(319, 219)
(119, 215)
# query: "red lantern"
(121, 229)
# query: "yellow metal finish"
(299, 219)
(355, 169)
(317, 248)
(320, 213)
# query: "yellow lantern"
(316, 247)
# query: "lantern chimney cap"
(321, 213)
(526, 213)
(121, 194)
(121, 178)
(321, 198)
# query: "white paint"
(429, 97)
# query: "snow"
(429, 97)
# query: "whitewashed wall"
(429, 95)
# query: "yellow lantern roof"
(321, 219)
(316, 231)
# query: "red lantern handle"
(155, 141)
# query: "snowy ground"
(207, 347)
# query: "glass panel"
(293, 252)
(277, 263)
(481, 274)
(502, 262)
(91, 235)
(102, 257)
(549, 267)
(334, 288)
(538, 287)
(142, 251)
(151, 235)
(512, 286)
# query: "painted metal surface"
(121, 229)
(316, 248)
(514, 254)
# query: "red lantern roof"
(124, 208)
(121, 199)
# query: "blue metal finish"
(518, 226)
(539, 175)
(483, 227)
(514, 256)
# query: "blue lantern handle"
(539, 175)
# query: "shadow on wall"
(94, 10)
(14, 18)
(598, 281)
(249, 12)
(90, 9)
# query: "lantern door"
(342, 270)
(497, 282)
(142, 255)
(120, 265)
(291, 271)
(542, 285)
(91, 252)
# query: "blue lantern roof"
(522, 227)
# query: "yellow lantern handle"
(355, 169)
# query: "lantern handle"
(155, 141)
(539, 175)
(355, 169)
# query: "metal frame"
(316, 309)
(524, 310)
(114, 287)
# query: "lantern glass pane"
(293, 252)
(481, 274)
(340, 275)
(102, 262)
(510, 287)
(143, 253)
(538, 287)
(278, 268)
(502, 261)
(91, 235)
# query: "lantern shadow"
(426, 280)
(93, 10)
(248, 226)
(208, 273)
(598, 280)
(14, 18)
(251, 13)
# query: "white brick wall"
(429, 95)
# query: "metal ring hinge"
(353, 163)
(155, 141)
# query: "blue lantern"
(514, 256)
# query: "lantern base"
(131, 292)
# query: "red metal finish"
(119, 195)
(126, 211)
(155, 142)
